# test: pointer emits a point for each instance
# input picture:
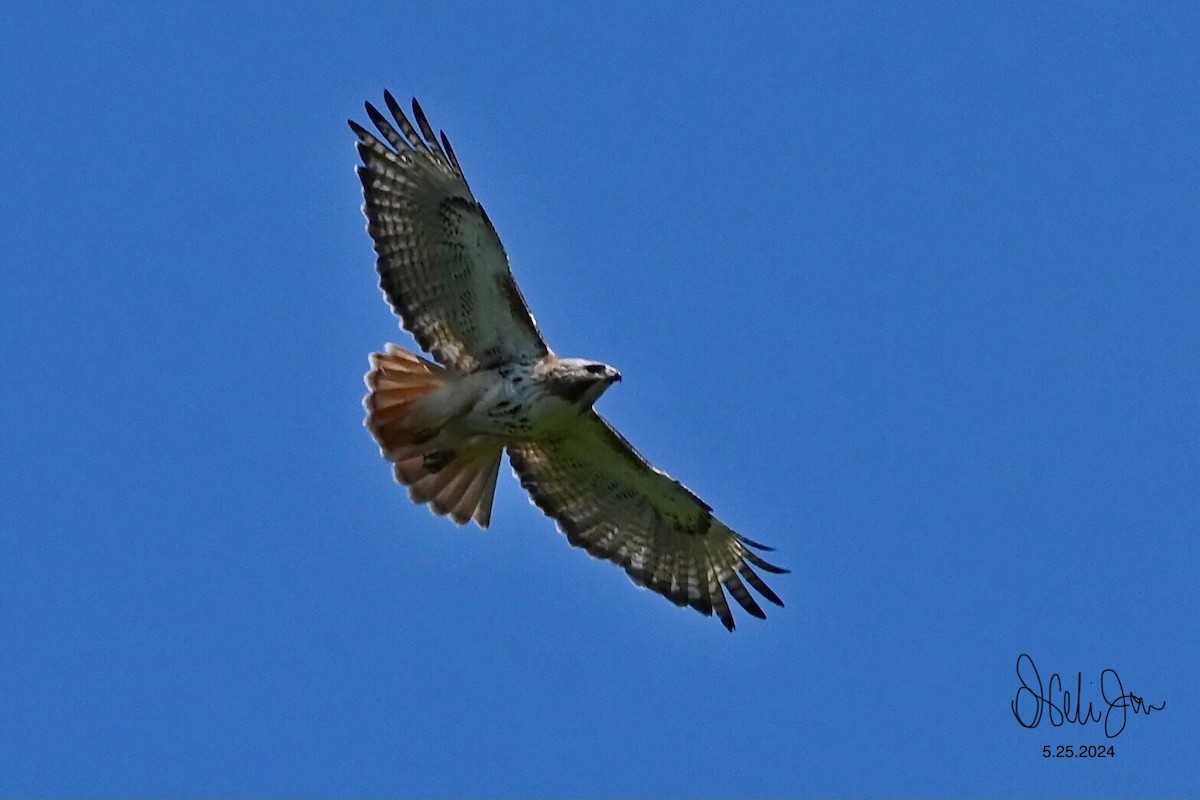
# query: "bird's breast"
(520, 407)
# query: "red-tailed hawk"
(496, 386)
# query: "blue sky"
(909, 293)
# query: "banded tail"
(459, 480)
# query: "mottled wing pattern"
(440, 262)
(610, 501)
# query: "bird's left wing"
(440, 262)
(610, 501)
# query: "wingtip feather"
(759, 585)
(763, 563)
(756, 545)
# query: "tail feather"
(455, 481)
(397, 381)
(485, 486)
(463, 488)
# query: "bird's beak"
(616, 378)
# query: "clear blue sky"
(909, 293)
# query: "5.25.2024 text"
(1083, 751)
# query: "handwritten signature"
(1032, 693)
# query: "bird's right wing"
(610, 501)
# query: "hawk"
(494, 385)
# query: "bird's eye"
(595, 369)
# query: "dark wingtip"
(755, 610)
(376, 117)
(754, 544)
(763, 564)
(390, 100)
(450, 150)
(759, 585)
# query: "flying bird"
(494, 385)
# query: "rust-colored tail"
(459, 480)
(398, 380)
(461, 484)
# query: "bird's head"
(578, 380)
